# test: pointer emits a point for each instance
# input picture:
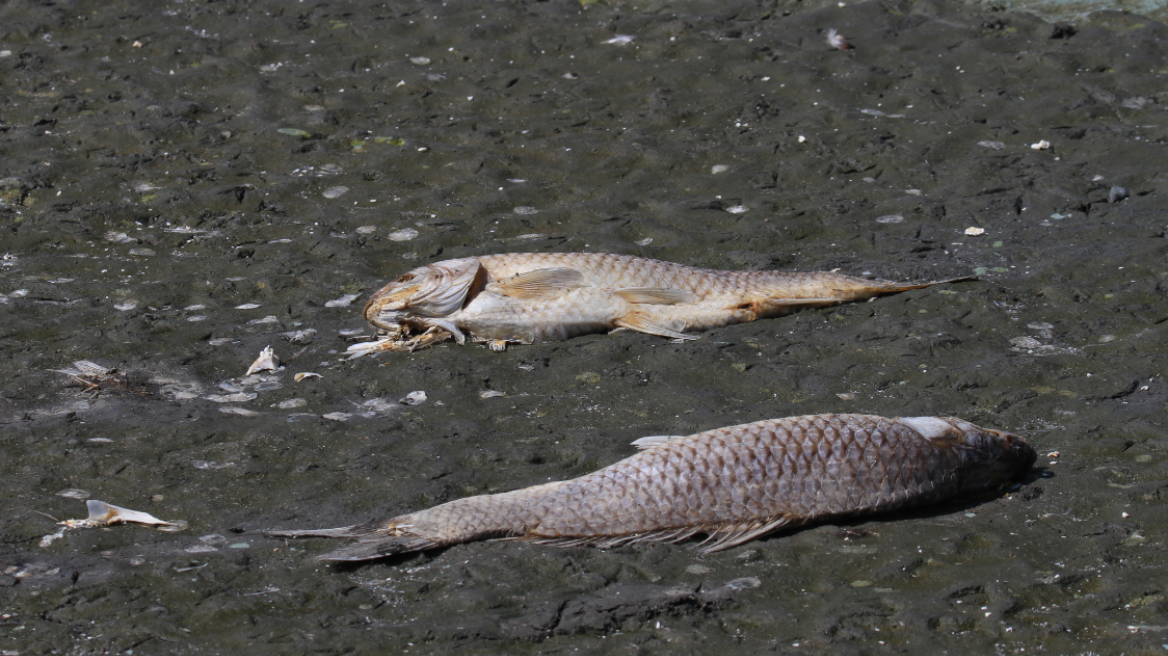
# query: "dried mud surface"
(165, 164)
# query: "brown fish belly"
(732, 484)
(531, 297)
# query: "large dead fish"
(731, 484)
(530, 297)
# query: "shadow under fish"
(730, 484)
(525, 298)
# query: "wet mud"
(183, 184)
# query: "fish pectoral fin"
(539, 283)
(655, 440)
(732, 535)
(656, 295)
(642, 324)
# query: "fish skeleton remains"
(731, 484)
(530, 297)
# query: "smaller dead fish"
(103, 514)
(731, 484)
(526, 298)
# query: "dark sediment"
(165, 164)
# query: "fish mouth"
(1007, 460)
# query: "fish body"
(531, 297)
(731, 484)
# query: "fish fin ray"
(371, 549)
(342, 532)
(655, 295)
(642, 324)
(651, 441)
(732, 535)
(539, 283)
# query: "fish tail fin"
(375, 539)
(887, 287)
(473, 518)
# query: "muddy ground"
(182, 183)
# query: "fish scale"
(732, 484)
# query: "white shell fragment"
(247, 306)
(490, 394)
(973, 232)
(74, 493)
(620, 40)
(305, 374)
(837, 40)
(404, 234)
(718, 168)
(306, 336)
(266, 362)
(1041, 145)
(335, 192)
(126, 306)
(344, 301)
(737, 209)
(890, 218)
(414, 398)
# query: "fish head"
(434, 290)
(989, 459)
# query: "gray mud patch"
(183, 184)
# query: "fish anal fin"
(643, 324)
(371, 549)
(655, 295)
(538, 283)
(732, 535)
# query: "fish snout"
(1005, 458)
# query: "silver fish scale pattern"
(803, 468)
(618, 271)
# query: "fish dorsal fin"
(655, 440)
(539, 283)
(656, 295)
(930, 428)
(643, 324)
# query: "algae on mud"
(146, 193)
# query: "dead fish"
(731, 484)
(531, 297)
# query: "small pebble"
(335, 192)
(973, 232)
(1116, 194)
(403, 235)
(1041, 145)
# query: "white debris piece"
(266, 362)
(104, 514)
(414, 398)
(344, 301)
(974, 232)
(620, 40)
